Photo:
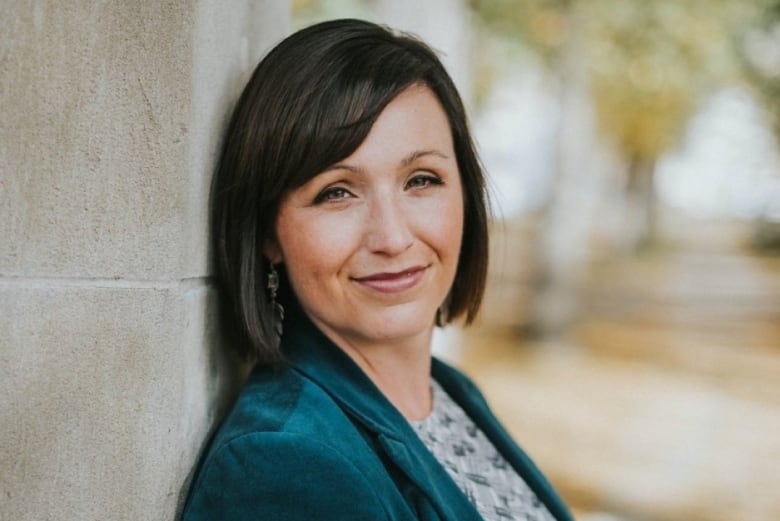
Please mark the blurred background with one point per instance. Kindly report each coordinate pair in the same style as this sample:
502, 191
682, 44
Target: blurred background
630, 336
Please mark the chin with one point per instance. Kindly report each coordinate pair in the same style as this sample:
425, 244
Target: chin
400, 324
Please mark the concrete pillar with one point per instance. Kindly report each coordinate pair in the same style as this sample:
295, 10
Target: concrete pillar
110, 369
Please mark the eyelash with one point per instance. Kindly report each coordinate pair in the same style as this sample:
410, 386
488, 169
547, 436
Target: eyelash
331, 194
427, 179
337, 193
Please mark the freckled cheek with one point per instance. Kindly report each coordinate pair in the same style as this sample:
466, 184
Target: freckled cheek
318, 250
452, 237
443, 229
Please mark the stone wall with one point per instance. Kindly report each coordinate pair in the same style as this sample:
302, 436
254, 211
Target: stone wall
109, 374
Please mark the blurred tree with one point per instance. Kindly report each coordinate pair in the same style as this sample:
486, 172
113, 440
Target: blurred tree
307, 12
542, 25
647, 63
545, 27
650, 63
760, 52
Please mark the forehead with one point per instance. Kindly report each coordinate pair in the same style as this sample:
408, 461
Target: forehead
414, 122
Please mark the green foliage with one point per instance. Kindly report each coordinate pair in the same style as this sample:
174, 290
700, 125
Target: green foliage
760, 53
542, 25
307, 12
646, 62
650, 62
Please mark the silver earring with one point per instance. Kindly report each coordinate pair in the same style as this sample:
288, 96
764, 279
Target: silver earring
278, 310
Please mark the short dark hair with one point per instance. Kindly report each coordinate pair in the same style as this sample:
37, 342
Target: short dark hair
309, 104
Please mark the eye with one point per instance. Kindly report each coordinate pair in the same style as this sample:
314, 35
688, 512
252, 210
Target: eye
423, 181
335, 193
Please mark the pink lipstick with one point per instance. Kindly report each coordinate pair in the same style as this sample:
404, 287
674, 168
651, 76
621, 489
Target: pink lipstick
393, 282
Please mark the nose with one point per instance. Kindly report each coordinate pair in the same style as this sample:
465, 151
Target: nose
388, 230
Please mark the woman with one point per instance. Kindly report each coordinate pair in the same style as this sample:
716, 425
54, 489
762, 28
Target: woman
350, 218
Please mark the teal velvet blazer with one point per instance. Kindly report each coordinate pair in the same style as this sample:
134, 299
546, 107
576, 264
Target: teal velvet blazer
316, 440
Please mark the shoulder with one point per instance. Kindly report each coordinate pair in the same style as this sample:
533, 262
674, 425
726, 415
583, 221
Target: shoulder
277, 404
285, 451
281, 475
282, 401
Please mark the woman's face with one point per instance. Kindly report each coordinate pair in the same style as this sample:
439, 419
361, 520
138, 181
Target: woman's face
371, 244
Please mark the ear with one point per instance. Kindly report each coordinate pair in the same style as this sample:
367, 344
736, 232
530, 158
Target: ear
272, 251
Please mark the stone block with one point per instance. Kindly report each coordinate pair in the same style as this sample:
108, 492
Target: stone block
111, 369
111, 122
108, 393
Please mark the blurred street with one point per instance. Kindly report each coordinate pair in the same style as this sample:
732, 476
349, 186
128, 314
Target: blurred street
661, 400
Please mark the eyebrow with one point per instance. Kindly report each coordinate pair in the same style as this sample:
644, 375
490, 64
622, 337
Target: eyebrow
406, 161
417, 154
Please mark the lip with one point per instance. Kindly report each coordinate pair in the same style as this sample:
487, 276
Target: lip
393, 282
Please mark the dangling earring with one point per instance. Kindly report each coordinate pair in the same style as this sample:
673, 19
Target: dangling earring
278, 310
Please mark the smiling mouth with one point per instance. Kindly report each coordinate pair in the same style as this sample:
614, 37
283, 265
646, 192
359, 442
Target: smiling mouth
393, 282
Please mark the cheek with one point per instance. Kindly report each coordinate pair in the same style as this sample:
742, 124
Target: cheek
312, 248
453, 236
445, 227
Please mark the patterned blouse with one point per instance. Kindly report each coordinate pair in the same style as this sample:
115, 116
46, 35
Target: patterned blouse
490, 483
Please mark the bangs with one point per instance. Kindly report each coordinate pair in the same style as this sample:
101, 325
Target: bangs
338, 107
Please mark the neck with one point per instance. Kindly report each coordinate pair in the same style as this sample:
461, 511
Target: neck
400, 369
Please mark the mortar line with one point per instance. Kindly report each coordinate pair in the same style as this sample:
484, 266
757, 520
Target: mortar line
13, 281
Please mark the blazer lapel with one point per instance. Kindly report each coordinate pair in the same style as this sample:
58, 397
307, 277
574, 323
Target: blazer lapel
430, 477
471, 400
316, 357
